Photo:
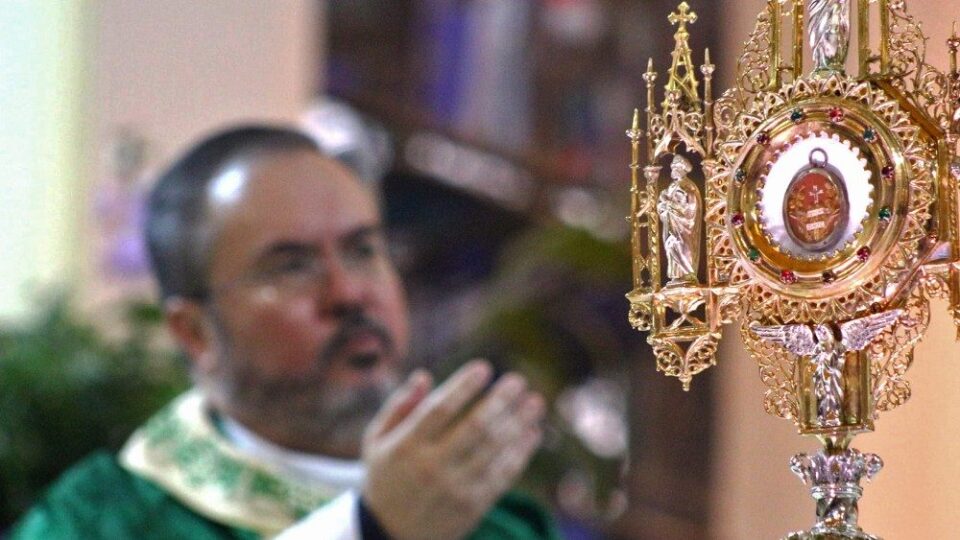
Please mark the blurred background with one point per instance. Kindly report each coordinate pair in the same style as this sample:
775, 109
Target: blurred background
495, 129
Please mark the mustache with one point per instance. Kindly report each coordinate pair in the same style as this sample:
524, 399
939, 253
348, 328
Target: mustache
352, 325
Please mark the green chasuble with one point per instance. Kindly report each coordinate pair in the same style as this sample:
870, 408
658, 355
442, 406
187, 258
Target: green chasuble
178, 477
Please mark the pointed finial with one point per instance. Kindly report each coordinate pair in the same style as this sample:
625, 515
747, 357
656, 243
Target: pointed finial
650, 76
954, 42
683, 16
682, 77
707, 68
634, 133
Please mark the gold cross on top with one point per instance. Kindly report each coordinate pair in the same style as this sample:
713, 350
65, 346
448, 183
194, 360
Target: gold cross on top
683, 16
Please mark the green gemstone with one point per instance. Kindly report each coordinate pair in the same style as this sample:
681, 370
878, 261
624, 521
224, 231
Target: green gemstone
869, 135
796, 115
740, 175
886, 213
754, 254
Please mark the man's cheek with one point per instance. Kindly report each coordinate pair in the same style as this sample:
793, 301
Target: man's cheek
395, 317
280, 346
277, 322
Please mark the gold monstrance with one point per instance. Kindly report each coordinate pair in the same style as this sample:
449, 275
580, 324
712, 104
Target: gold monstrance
828, 221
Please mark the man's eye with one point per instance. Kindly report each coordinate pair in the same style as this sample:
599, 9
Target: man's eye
292, 266
364, 255
365, 250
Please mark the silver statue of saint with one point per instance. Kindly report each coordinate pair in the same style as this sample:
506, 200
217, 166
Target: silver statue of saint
829, 33
679, 208
827, 355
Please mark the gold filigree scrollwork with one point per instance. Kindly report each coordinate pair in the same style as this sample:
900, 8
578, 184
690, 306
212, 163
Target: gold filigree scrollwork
728, 305
920, 82
724, 262
726, 111
778, 371
905, 39
934, 283
892, 354
674, 361
640, 316
676, 126
652, 175
754, 68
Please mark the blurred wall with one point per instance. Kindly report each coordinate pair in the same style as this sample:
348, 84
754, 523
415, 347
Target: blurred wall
170, 71
915, 496
75, 73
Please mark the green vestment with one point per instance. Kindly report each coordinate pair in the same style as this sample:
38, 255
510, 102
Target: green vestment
178, 477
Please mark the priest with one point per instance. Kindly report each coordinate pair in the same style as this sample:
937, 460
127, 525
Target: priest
303, 421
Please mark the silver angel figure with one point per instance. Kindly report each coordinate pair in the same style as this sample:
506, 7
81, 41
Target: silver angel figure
829, 33
679, 210
827, 355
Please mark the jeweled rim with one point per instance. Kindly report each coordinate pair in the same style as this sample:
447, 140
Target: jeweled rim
857, 284
789, 160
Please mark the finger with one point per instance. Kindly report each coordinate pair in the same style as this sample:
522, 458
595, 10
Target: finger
400, 403
507, 468
524, 418
502, 473
488, 416
432, 416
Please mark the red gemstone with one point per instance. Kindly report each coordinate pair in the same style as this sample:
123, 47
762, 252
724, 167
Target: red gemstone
863, 254
836, 114
763, 137
888, 171
737, 220
788, 277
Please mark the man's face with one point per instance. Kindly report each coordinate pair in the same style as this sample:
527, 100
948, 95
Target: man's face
308, 314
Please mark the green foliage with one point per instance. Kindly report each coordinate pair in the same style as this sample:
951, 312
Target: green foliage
66, 390
548, 307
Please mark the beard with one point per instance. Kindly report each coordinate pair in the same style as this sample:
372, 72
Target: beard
307, 411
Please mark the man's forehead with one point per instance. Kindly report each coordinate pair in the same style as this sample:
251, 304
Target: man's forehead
295, 168
291, 193
285, 177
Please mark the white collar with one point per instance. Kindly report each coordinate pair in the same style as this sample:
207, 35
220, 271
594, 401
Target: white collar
336, 473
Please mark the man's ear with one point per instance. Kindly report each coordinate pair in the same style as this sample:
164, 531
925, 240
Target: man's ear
191, 329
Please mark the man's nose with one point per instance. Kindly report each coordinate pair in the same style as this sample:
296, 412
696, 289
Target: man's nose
342, 288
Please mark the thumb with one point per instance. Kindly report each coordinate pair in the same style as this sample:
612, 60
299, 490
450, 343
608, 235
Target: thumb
401, 403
